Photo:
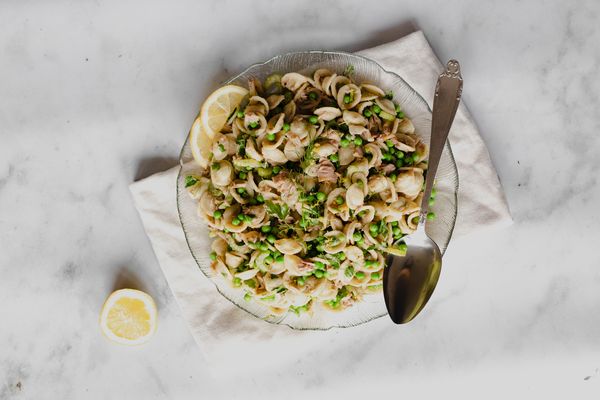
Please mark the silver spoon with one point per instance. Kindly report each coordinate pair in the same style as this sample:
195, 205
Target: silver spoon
409, 281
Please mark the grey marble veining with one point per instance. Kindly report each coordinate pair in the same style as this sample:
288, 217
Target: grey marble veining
94, 95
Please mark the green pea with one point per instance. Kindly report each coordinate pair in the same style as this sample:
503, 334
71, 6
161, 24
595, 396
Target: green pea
415, 220
433, 192
416, 157
358, 141
393, 177
357, 236
276, 169
370, 263
319, 265
367, 113
310, 198
301, 280
376, 109
347, 99
216, 166
389, 143
240, 114
386, 156
359, 274
320, 247
375, 275
374, 229
269, 259
431, 201
313, 119
319, 274
217, 214
240, 190
344, 142
399, 163
400, 115
341, 256
262, 246
286, 127
403, 247
247, 297
264, 172
266, 228
253, 125
394, 223
430, 216
321, 196
313, 95
213, 256
271, 137
334, 158
236, 221
339, 200
271, 238
399, 154
260, 198
279, 258
243, 175
237, 282
396, 231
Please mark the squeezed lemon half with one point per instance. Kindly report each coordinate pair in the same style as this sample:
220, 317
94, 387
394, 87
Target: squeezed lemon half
128, 317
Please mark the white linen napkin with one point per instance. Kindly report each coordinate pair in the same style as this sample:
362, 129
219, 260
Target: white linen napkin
227, 334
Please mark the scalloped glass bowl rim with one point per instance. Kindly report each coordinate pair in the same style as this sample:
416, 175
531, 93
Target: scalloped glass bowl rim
271, 60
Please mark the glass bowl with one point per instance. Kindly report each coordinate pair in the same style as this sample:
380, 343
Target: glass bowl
440, 229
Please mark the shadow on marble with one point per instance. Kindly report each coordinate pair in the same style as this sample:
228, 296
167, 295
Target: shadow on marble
126, 278
151, 165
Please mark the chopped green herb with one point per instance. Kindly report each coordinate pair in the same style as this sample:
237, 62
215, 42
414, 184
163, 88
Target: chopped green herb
190, 181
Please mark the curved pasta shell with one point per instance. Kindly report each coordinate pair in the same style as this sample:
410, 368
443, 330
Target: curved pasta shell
223, 175
353, 118
293, 80
274, 155
288, 246
376, 154
355, 196
324, 149
335, 241
346, 155
406, 126
292, 151
369, 213
233, 260
219, 246
327, 113
352, 90
249, 274
409, 182
338, 81
371, 92
274, 100
378, 184
386, 105
251, 150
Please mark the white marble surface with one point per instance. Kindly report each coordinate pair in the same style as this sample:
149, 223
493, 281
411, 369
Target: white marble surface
95, 94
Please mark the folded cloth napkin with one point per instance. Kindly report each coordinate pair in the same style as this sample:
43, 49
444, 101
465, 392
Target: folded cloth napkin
228, 335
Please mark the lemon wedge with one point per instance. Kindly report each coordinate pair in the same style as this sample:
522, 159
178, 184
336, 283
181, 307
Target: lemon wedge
128, 317
219, 106
200, 143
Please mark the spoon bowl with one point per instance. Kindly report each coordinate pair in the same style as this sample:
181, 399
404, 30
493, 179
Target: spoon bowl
409, 280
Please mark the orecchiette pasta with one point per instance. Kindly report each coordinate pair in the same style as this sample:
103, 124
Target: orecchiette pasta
311, 182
